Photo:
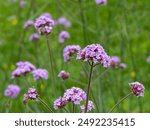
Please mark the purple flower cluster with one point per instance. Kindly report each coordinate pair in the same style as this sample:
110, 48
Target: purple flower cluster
34, 37
40, 74
69, 51
114, 61
22, 69
44, 25
59, 103
137, 88
148, 59
28, 23
99, 2
12, 91
30, 95
94, 53
75, 95
63, 21
63, 35
89, 108
63, 75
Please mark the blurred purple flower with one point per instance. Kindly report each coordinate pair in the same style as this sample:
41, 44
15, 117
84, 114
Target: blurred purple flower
22, 3
123, 66
148, 59
47, 15
59, 103
63, 21
30, 95
40, 74
100, 2
28, 23
44, 25
12, 91
75, 95
114, 61
137, 88
90, 106
69, 51
63, 35
94, 53
34, 37
23, 68
63, 75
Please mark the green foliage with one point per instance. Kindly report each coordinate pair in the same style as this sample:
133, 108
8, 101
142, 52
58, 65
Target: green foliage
122, 27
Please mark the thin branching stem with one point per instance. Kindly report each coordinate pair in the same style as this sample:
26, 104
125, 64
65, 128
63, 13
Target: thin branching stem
51, 63
118, 103
45, 105
102, 74
89, 63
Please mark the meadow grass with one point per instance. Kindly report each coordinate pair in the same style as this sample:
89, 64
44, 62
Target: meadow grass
121, 27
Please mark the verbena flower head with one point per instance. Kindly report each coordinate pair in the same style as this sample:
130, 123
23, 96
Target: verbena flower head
114, 61
63, 21
148, 59
59, 103
34, 37
123, 66
30, 95
63, 35
44, 25
22, 69
12, 91
100, 2
75, 95
89, 108
40, 74
63, 75
28, 23
69, 51
137, 88
94, 53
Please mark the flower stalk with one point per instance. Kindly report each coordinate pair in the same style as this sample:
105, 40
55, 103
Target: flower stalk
118, 103
44, 104
88, 88
51, 63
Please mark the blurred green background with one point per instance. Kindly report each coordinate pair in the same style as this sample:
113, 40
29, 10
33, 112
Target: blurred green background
122, 27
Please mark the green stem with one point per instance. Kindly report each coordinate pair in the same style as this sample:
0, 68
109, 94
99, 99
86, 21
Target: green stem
73, 108
88, 88
51, 63
101, 75
84, 68
45, 105
8, 105
94, 100
66, 110
118, 103
27, 81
